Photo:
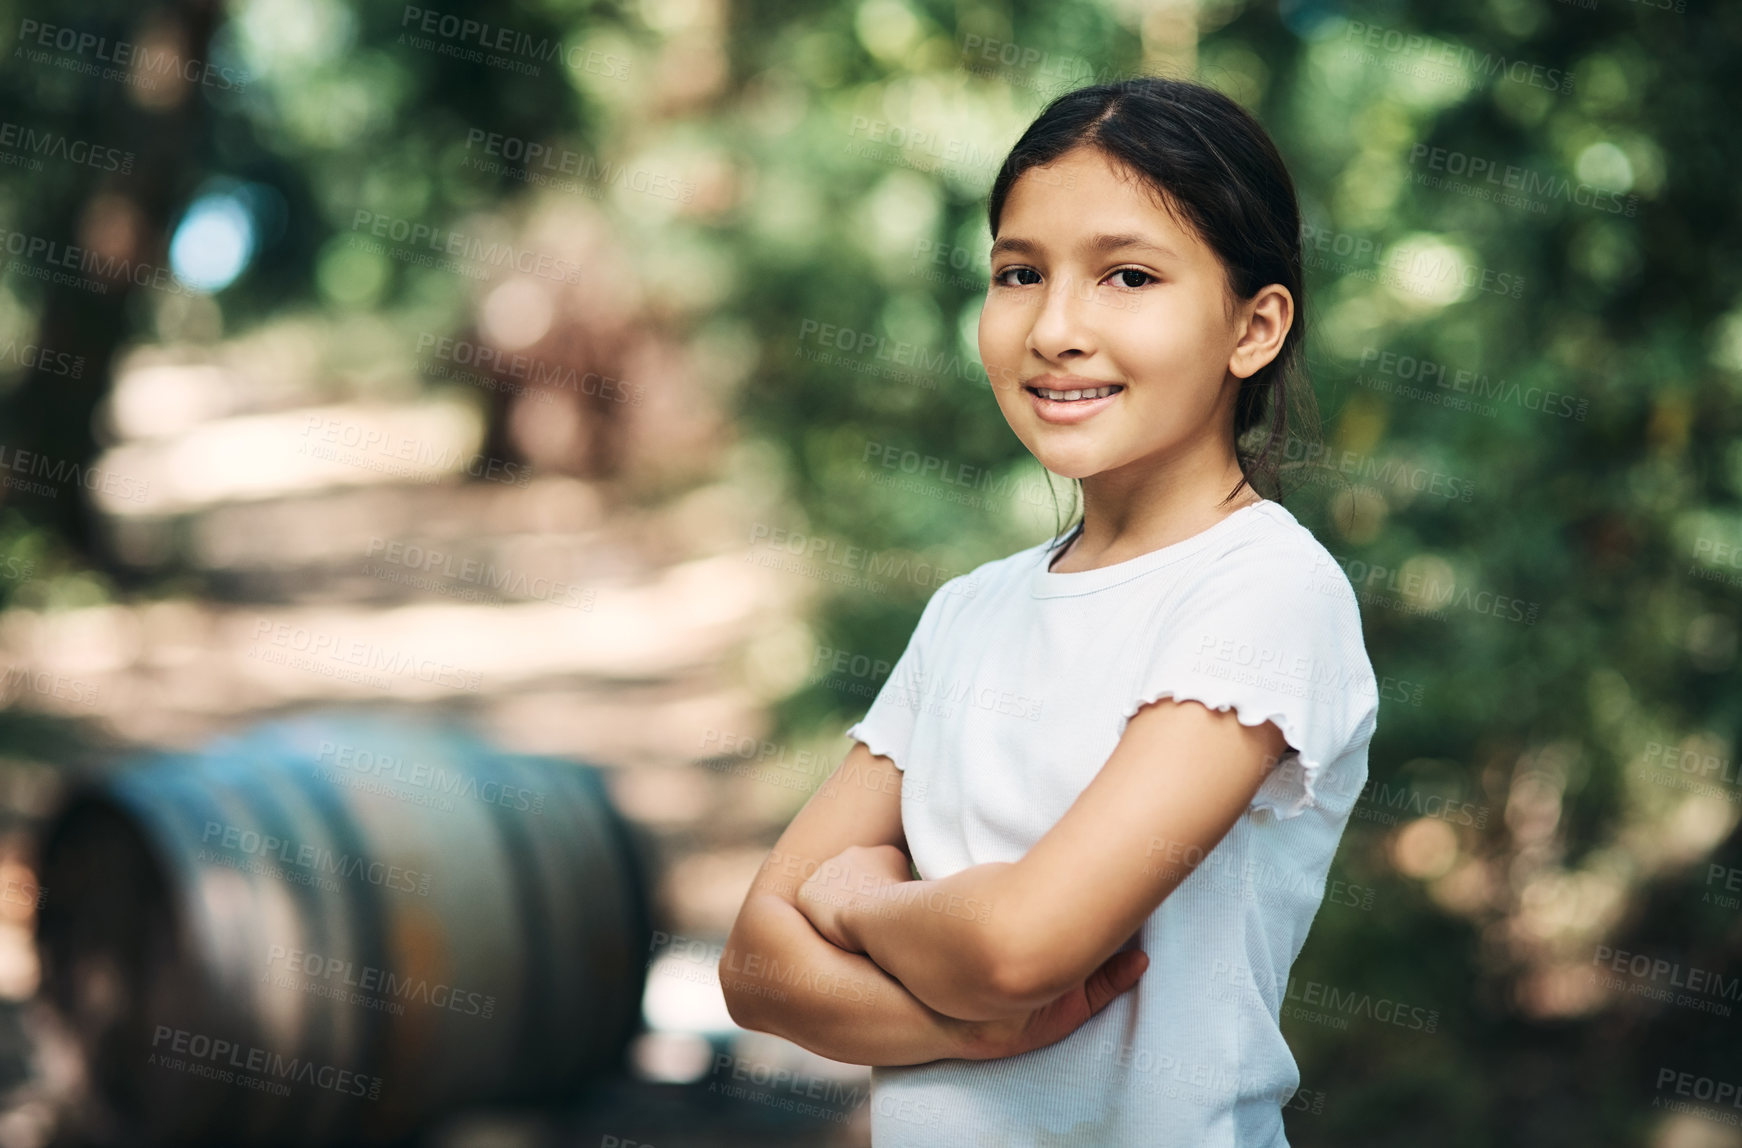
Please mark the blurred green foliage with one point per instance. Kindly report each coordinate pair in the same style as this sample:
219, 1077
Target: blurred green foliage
1522, 235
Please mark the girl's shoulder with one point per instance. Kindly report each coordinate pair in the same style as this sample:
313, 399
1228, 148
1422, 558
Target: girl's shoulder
995, 572
1274, 525
1272, 584
1277, 552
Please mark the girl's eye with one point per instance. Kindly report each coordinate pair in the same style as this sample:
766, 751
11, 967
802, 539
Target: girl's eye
1001, 279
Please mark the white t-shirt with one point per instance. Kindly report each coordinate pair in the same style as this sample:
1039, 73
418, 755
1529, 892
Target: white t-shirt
1011, 695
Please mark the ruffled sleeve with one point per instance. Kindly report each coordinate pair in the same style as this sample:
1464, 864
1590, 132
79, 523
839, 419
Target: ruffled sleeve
1274, 637
887, 727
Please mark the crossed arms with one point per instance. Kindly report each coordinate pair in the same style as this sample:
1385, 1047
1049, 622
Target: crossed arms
837, 949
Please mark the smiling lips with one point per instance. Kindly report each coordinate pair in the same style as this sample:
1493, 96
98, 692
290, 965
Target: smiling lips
1073, 396
1070, 406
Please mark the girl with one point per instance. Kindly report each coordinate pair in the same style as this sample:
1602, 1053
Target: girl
1124, 758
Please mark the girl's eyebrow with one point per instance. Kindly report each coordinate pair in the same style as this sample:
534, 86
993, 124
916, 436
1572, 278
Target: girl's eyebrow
1096, 244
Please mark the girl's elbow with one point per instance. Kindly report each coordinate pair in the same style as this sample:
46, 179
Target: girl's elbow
737, 973
735, 1000
1018, 985
747, 1007
971, 984
738, 1008
1018, 974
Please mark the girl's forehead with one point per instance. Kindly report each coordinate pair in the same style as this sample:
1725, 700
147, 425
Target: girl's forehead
1086, 169
1082, 191
1090, 230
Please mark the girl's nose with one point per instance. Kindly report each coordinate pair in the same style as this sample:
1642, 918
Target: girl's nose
1061, 325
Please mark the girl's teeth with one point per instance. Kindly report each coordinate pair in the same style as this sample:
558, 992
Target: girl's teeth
1069, 396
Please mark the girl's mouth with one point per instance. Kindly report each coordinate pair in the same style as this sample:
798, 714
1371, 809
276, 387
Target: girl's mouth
1079, 395
1057, 406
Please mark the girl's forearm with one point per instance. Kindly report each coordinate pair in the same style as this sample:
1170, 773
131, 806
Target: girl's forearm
949, 942
780, 976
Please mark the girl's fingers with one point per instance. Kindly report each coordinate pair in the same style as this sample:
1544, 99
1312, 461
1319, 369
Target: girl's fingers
1118, 973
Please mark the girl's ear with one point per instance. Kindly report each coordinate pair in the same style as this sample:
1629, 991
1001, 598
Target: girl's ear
1267, 317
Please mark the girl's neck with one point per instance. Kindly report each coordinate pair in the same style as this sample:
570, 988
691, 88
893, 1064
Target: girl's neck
1121, 527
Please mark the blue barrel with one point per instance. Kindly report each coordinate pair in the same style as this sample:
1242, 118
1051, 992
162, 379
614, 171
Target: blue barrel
338, 927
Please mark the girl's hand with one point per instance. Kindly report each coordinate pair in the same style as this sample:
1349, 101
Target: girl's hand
1052, 1022
856, 870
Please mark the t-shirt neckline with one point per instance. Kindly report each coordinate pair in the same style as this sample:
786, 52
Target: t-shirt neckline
1051, 584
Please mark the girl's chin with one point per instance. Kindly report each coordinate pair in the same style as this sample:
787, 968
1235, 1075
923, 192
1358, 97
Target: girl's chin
1075, 467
